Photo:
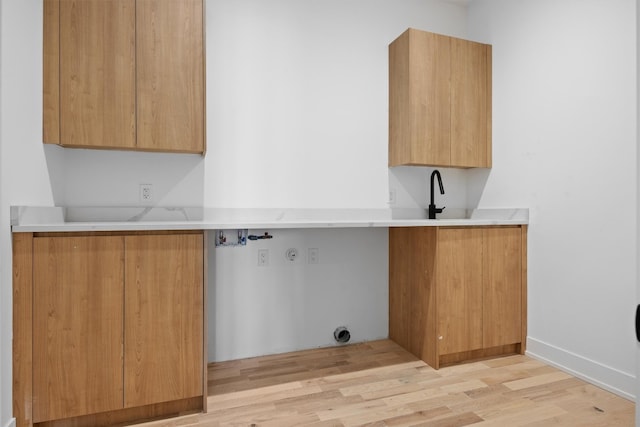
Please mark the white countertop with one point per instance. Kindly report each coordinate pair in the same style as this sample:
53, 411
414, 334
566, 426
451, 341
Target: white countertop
68, 219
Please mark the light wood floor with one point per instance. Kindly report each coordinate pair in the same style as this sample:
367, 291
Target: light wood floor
380, 384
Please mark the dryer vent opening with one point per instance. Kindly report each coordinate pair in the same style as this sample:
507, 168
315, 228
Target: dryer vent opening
342, 334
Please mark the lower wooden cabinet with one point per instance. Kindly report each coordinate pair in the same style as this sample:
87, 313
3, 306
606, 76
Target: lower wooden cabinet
117, 326
78, 296
163, 303
457, 294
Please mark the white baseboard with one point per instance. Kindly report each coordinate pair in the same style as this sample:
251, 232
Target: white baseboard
606, 377
11, 423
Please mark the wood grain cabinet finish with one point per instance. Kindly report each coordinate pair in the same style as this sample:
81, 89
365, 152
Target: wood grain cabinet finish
457, 294
117, 327
170, 75
459, 290
439, 101
124, 74
163, 311
78, 291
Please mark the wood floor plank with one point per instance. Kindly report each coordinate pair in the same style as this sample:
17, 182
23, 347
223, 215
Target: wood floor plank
379, 384
464, 386
320, 402
375, 416
236, 414
524, 416
457, 420
417, 418
455, 402
267, 397
247, 395
349, 410
537, 380
398, 390
370, 387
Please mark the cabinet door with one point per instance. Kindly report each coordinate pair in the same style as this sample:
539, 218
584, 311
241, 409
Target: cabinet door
459, 289
78, 285
419, 114
170, 75
163, 318
502, 286
97, 73
470, 104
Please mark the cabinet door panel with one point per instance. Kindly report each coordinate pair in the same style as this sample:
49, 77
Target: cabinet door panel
469, 94
170, 75
431, 122
97, 73
78, 287
419, 114
163, 318
502, 286
459, 290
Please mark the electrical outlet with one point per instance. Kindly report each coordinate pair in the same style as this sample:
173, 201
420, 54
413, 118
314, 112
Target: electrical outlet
392, 196
146, 193
263, 257
313, 255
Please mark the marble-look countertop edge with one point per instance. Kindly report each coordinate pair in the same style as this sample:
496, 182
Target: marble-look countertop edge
52, 220
168, 225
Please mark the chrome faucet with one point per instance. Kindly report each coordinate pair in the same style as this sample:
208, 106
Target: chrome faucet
432, 207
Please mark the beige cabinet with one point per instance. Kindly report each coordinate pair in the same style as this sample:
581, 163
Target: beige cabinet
117, 327
124, 74
439, 101
457, 294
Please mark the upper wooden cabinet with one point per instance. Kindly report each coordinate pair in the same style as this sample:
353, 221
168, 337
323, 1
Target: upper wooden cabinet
124, 74
439, 101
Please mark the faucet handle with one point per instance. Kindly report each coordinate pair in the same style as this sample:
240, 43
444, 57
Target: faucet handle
433, 210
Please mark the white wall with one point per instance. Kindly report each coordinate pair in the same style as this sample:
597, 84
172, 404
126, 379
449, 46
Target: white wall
5, 291
24, 170
637, 389
291, 305
564, 121
296, 117
297, 98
